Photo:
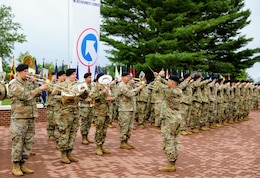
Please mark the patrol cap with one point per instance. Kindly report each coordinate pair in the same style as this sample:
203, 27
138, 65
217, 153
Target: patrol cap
99, 75
21, 67
125, 74
60, 73
86, 75
70, 71
174, 78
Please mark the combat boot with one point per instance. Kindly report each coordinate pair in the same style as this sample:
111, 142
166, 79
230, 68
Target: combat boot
124, 145
84, 140
195, 130
105, 151
17, 169
141, 126
225, 123
89, 140
70, 157
183, 132
205, 128
170, 167
231, 121
32, 153
24, 169
99, 150
64, 157
130, 145
51, 138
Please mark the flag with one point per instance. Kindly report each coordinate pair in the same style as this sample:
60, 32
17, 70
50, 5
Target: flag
131, 71
120, 71
77, 72
12, 72
44, 94
182, 75
62, 66
99, 69
36, 67
56, 70
96, 71
105, 70
167, 74
89, 69
117, 76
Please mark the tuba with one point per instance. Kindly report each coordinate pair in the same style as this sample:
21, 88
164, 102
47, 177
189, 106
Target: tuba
30, 62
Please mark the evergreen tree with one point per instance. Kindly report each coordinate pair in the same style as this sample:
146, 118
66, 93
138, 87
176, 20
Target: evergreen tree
186, 35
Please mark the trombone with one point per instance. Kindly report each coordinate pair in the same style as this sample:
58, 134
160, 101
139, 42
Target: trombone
142, 82
39, 80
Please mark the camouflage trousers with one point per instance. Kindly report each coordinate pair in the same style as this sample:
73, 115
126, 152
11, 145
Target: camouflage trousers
195, 114
204, 114
113, 112
170, 133
50, 126
68, 125
86, 116
220, 112
126, 124
155, 113
101, 123
185, 114
212, 111
141, 111
22, 133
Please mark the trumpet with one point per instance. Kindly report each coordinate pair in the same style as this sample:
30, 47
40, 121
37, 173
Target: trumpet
143, 82
39, 80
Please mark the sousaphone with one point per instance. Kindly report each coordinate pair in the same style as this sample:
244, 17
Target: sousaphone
30, 62
105, 79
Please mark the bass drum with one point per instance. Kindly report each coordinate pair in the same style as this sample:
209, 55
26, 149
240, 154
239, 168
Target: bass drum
3, 91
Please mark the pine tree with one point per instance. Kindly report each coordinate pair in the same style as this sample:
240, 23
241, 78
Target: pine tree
186, 35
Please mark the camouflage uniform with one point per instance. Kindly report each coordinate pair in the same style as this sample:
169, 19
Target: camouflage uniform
86, 113
185, 107
205, 103
141, 105
23, 111
126, 110
155, 101
220, 111
68, 123
113, 107
101, 112
50, 112
171, 120
212, 103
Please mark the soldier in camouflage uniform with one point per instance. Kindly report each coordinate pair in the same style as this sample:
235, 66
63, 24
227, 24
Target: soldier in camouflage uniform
56, 95
212, 104
171, 120
50, 112
86, 112
68, 123
141, 104
185, 107
22, 93
113, 107
101, 96
220, 108
156, 100
126, 110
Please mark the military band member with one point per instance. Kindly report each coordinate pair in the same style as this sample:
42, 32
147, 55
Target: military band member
126, 110
86, 112
22, 93
102, 98
68, 123
57, 104
50, 112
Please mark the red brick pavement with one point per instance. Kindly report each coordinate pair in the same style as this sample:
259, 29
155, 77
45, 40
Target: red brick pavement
229, 151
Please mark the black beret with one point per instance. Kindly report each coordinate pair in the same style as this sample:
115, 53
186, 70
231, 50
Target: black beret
60, 73
99, 75
53, 73
174, 78
21, 67
70, 71
125, 74
86, 75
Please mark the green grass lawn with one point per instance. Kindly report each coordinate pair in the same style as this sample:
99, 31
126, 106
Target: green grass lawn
6, 102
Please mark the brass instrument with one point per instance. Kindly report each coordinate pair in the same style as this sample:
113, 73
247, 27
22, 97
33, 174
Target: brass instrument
30, 62
106, 80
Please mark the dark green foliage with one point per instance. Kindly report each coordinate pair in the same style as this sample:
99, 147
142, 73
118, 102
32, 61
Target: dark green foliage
178, 34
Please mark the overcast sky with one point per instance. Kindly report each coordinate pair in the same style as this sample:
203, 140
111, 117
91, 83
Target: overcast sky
45, 24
